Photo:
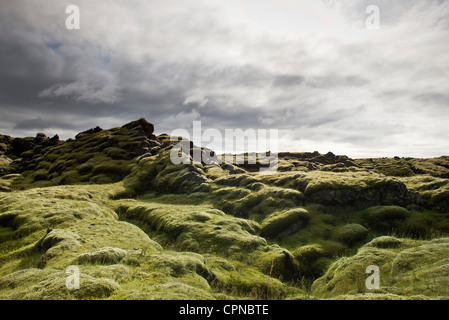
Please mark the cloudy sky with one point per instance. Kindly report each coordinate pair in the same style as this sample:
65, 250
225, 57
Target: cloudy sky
309, 68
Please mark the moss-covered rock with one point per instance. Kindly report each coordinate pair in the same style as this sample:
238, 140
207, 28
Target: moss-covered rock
96, 156
433, 191
107, 255
167, 291
407, 268
244, 281
50, 284
314, 259
262, 200
282, 224
279, 263
385, 218
4, 164
158, 173
196, 229
385, 242
356, 189
351, 234
181, 263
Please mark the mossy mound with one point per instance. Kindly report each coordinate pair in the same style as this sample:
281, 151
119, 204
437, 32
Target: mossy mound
436, 167
351, 234
181, 263
255, 200
8, 180
283, 224
50, 227
166, 291
107, 255
433, 191
385, 242
305, 162
158, 173
237, 279
278, 262
194, 228
96, 156
44, 230
385, 218
407, 167
357, 189
4, 164
205, 230
407, 268
312, 260
50, 284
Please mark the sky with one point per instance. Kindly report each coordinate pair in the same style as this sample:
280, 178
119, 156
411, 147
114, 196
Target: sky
310, 69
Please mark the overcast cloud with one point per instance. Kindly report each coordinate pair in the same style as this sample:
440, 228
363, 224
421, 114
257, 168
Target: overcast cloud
306, 67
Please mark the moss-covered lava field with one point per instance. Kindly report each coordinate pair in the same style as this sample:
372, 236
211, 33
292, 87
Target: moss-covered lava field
137, 226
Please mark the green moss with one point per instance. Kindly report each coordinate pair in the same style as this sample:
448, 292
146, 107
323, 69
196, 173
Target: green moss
434, 191
265, 200
385, 242
166, 291
417, 225
214, 172
50, 284
279, 263
117, 153
351, 234
312, 260
196, 229
319, 228
108, 152
244, 281
115, 168
4, 164
102, 179
76, 221
178, 264
283, 224
107, 255
437, 167
407, 268
159, 173
386, 218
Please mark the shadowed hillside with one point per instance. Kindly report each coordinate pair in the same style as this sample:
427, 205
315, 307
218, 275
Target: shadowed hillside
140, 227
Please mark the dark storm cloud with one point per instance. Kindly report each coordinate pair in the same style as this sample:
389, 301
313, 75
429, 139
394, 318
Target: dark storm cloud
433, 98
40, 124
337, 81
26, 68
284, 81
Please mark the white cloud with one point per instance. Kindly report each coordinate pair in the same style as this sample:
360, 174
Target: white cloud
84, 92
196, 101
